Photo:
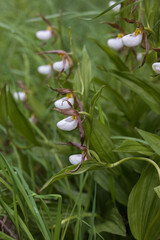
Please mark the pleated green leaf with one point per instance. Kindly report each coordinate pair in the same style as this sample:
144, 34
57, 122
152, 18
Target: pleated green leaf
114, 96
152, 139
86, 166
144, 207
86, 75
3, 107
94, 100
130, 146
113, 224
114, 57
157, 190
20, 122
100, 142
147, 91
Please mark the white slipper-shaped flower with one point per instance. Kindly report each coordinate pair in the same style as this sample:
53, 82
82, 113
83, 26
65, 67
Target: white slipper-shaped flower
44, 34
63, 102
60, 65
116, 8
68, 124
76, 159
116, 43
139, 57
33, 118
44, 69
156, 67
20, 95
133, 39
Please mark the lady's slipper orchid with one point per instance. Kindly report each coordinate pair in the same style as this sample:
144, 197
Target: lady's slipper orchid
156, 67
116, 8
20, 95
116, 43
68, 124
76, 159
133, 39
44, 34
63, 102
45, 69
61, 65
33, 119
139, 57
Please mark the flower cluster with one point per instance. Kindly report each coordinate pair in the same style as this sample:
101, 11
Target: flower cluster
130, 40
65, 105
69, 103
59, 66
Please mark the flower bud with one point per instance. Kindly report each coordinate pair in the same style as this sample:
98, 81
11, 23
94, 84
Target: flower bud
20, 95
44, 34
68, 124
116, 8
76, 159
156, 67
133, 39
60, 65
63, 102
116, 43
45, 69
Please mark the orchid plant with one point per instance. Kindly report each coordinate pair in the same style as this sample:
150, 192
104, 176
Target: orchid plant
79, 125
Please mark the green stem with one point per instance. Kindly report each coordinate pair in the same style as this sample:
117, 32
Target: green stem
136, 158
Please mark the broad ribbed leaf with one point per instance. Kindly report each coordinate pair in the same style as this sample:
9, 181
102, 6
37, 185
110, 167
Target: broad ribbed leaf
152, 139
3, 107
114, 57
145, 90
113, 224
114, 96
100, 142
86, 75
130, 146
94, 100
144, 207
86, 166
20, 122
157, 190
104, 180
37, 106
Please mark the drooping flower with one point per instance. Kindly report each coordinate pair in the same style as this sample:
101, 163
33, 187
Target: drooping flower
45, 69
76, 159
68, 124
20, 95
116, 8
116, 43
63, 102
139, 57
44, 34
33, 119
156, 67
133, 39
60, 65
